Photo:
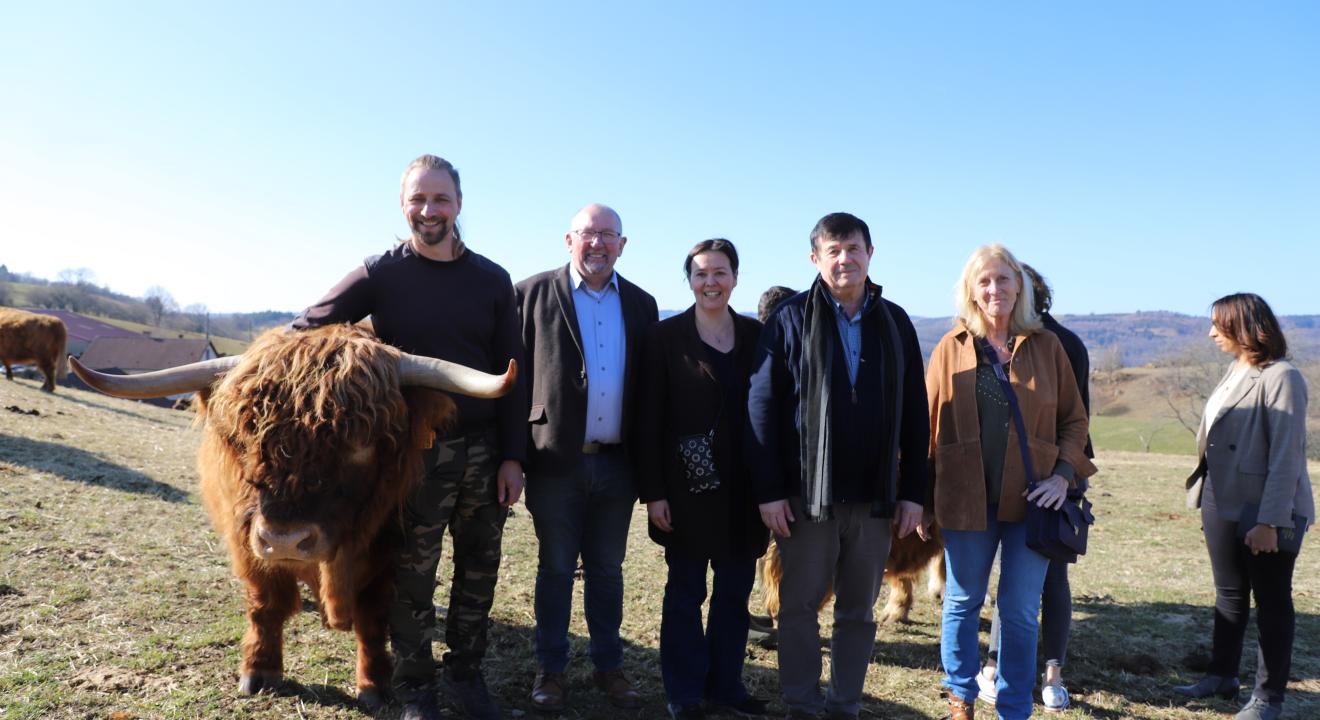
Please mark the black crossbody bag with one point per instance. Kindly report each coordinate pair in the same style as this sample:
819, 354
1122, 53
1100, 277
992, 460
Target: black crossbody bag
698, 455
1057, 534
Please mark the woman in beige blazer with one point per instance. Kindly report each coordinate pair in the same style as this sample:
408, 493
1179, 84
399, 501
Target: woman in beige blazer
1254, 493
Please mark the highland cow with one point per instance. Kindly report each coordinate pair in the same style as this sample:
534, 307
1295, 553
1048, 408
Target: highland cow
311, 443
908, 556
33, 338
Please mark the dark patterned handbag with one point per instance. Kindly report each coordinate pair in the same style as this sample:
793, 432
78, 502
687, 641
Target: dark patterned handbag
698, 455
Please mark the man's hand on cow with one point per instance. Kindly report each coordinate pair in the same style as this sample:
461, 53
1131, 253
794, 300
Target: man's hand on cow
776, 516
1049, 493
909, 518
510, 480
658, 512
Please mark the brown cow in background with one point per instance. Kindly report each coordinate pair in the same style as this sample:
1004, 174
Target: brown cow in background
908, 557
36, 339
312, 442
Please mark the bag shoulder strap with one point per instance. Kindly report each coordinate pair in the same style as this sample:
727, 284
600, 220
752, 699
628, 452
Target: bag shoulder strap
1002, 375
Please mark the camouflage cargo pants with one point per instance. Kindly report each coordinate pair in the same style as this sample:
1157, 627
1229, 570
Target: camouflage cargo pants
458, 492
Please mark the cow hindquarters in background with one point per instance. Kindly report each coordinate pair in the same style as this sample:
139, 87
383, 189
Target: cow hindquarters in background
908, 557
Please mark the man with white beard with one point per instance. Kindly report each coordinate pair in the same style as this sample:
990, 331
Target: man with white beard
583, 326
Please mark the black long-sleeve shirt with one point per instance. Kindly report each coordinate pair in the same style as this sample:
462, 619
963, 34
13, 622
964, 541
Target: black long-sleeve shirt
462, 311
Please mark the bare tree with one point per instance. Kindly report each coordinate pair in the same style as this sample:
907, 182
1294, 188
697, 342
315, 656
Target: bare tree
1110, 362
1189, 378
80, 277
198, 316
1147, 436
160, 303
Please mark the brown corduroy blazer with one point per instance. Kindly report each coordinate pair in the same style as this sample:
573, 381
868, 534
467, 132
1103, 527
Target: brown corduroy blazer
1052, 412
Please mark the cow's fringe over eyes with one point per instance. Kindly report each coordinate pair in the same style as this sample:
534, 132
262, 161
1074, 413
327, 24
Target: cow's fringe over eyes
341, 375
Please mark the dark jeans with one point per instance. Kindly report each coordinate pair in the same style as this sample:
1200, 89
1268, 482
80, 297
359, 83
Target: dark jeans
1055, 615
1238, 575
697, 664
584, 513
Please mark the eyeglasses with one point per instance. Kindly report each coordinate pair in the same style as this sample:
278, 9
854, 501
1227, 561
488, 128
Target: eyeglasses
609, 237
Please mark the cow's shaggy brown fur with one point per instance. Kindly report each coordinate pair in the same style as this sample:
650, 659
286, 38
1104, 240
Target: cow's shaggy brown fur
907, 558
33, 338
312, 428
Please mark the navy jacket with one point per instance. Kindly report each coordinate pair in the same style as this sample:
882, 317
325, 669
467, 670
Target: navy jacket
772, 408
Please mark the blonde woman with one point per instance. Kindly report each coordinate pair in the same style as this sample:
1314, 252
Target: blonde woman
980, 486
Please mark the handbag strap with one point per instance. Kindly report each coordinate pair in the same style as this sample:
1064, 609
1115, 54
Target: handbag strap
1002, 375
707, 368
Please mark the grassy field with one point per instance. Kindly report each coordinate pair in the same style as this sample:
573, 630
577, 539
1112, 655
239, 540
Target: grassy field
1132, 434
116, 600
20, 295
223, 345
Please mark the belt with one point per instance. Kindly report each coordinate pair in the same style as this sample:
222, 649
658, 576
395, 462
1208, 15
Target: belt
595, 448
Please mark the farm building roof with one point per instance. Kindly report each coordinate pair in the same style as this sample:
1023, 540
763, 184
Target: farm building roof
82, 328
142, 354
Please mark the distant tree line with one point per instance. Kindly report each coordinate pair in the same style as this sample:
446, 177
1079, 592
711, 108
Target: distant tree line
75, 290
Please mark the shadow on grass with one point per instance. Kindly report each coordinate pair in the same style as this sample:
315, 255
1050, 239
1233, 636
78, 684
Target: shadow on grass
78, 465
1139, 651
74, 398
510, 668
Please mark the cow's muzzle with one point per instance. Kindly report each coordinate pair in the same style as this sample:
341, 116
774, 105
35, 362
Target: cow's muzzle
302, 542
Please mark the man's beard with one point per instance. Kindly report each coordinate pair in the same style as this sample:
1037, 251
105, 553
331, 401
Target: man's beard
431, 235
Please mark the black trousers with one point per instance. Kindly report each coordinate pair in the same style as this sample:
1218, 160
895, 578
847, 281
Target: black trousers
1239, 575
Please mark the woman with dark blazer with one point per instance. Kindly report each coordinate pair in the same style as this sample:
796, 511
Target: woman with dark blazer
692, 410
1254, 493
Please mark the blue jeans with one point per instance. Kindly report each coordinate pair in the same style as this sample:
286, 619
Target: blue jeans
968, 555
1055, 615
697, 664
584, 513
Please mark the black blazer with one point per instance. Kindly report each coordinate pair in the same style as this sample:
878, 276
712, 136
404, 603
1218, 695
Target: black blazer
680, 396
557, 377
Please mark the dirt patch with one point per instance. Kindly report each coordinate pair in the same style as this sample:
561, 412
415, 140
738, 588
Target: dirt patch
111, 679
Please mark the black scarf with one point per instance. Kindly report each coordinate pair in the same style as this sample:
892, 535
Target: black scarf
815, 438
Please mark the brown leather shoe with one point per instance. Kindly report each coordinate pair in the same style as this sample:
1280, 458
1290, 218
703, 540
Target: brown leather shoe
960, 709
549, 691
617, 687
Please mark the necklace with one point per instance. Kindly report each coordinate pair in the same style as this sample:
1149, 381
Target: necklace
1005, 349
719, 337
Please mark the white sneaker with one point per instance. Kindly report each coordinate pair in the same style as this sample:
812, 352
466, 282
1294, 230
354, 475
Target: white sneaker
985, 683
1055, 697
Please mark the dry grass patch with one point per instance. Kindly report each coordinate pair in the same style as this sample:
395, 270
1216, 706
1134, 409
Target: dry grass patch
116, 599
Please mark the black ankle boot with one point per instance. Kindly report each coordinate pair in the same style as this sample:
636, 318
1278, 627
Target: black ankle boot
1226, 688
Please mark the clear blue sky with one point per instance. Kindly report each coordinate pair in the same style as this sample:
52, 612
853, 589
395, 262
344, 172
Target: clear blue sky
1143, 155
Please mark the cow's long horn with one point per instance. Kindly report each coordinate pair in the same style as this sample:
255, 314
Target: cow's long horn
452, 377
171, 381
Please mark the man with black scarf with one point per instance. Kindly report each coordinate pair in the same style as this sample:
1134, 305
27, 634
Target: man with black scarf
839, 434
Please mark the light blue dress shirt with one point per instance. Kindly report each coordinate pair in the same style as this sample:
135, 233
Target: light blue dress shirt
600, 321
850, 333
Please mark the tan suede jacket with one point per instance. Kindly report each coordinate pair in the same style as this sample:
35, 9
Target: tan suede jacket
1052, 412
